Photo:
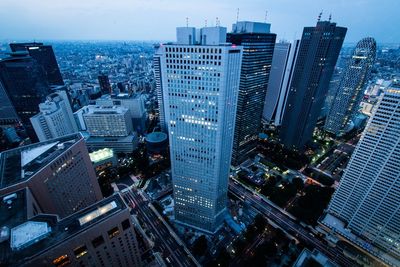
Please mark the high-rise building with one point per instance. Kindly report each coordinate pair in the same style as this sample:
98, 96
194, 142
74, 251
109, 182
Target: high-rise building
158, 79
367, 200
26, 86
258, 47
351, 87
104, 83
58, 173
99, 235
8, 115
133, 101
283, 62
317, 56
55, 118
200, 80
44, 56
106, 120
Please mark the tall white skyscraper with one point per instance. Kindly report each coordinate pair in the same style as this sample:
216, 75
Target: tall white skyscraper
55, 118
283, 61
200, 80
368, 197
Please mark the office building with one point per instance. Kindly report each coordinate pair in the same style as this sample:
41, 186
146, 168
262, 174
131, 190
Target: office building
102, 234
8, 115
25, 85
351, 87
283, 62
135, 104
258, 47
316, 59
104, 82
158, 80
44, 56
55, 118
58, 173
200, 80
367, 200
105, 120
120, 144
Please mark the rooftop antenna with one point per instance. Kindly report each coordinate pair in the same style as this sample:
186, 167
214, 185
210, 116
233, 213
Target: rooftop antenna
187, 22
330, 17
266, 13
217, 22
205, 23
320, 15
237, 15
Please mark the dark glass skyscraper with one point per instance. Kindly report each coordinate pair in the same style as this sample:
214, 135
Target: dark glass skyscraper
258, 47
319, 50
104, 83
44, 55
351, 87
26, 86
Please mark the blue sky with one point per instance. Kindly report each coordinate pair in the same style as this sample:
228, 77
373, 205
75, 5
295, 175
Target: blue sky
157, 19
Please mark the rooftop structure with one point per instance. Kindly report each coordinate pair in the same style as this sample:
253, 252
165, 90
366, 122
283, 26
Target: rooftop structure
52, 171
82, 238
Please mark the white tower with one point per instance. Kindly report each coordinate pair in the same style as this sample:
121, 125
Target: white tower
200, 80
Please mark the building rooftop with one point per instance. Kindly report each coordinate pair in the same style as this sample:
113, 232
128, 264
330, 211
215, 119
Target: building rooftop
156, 137
19, 164
44, 231
98, 109
13, 209
101, 154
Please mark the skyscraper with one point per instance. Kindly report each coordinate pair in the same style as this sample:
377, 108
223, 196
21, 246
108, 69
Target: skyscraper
258, 47
104, 83
26, 86
55, 118
367, 200
283, 62
8, 115
351, 87
58, 173
157, 75
318, 53
99, 235
200, 80
44, 56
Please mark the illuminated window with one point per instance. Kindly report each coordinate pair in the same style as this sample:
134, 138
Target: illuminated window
113, 232
80, 251
63, 260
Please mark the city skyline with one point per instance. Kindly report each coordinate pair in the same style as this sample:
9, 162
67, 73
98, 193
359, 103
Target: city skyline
127, 20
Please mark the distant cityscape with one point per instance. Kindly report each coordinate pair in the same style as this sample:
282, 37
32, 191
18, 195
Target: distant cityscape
224, 147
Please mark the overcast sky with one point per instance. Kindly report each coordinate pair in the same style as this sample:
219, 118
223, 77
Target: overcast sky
157, 19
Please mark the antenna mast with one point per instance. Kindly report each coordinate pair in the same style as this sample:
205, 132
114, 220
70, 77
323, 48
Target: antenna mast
320, 15
187, 22
266, 13
237, 15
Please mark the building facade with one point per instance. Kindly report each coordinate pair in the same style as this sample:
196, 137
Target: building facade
351, 87
58, 172
45, 57
104, 83
99, 235
106, 120
368, 197
55, 118
283, 62
317, 56
258, 47
200, 80
26, 86
157, 75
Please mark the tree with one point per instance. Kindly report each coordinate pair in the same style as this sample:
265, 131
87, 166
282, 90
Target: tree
200, 246
260, 222
298, 183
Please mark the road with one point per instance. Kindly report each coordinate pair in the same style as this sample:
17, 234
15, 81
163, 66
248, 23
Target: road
279, 217
173, 253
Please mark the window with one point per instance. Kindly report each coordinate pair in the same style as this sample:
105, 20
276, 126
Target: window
63, 260
98, 241
80, 251
113, 232
126, 224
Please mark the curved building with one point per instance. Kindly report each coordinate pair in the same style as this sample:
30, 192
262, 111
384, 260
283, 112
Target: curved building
351, 87
156, 142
